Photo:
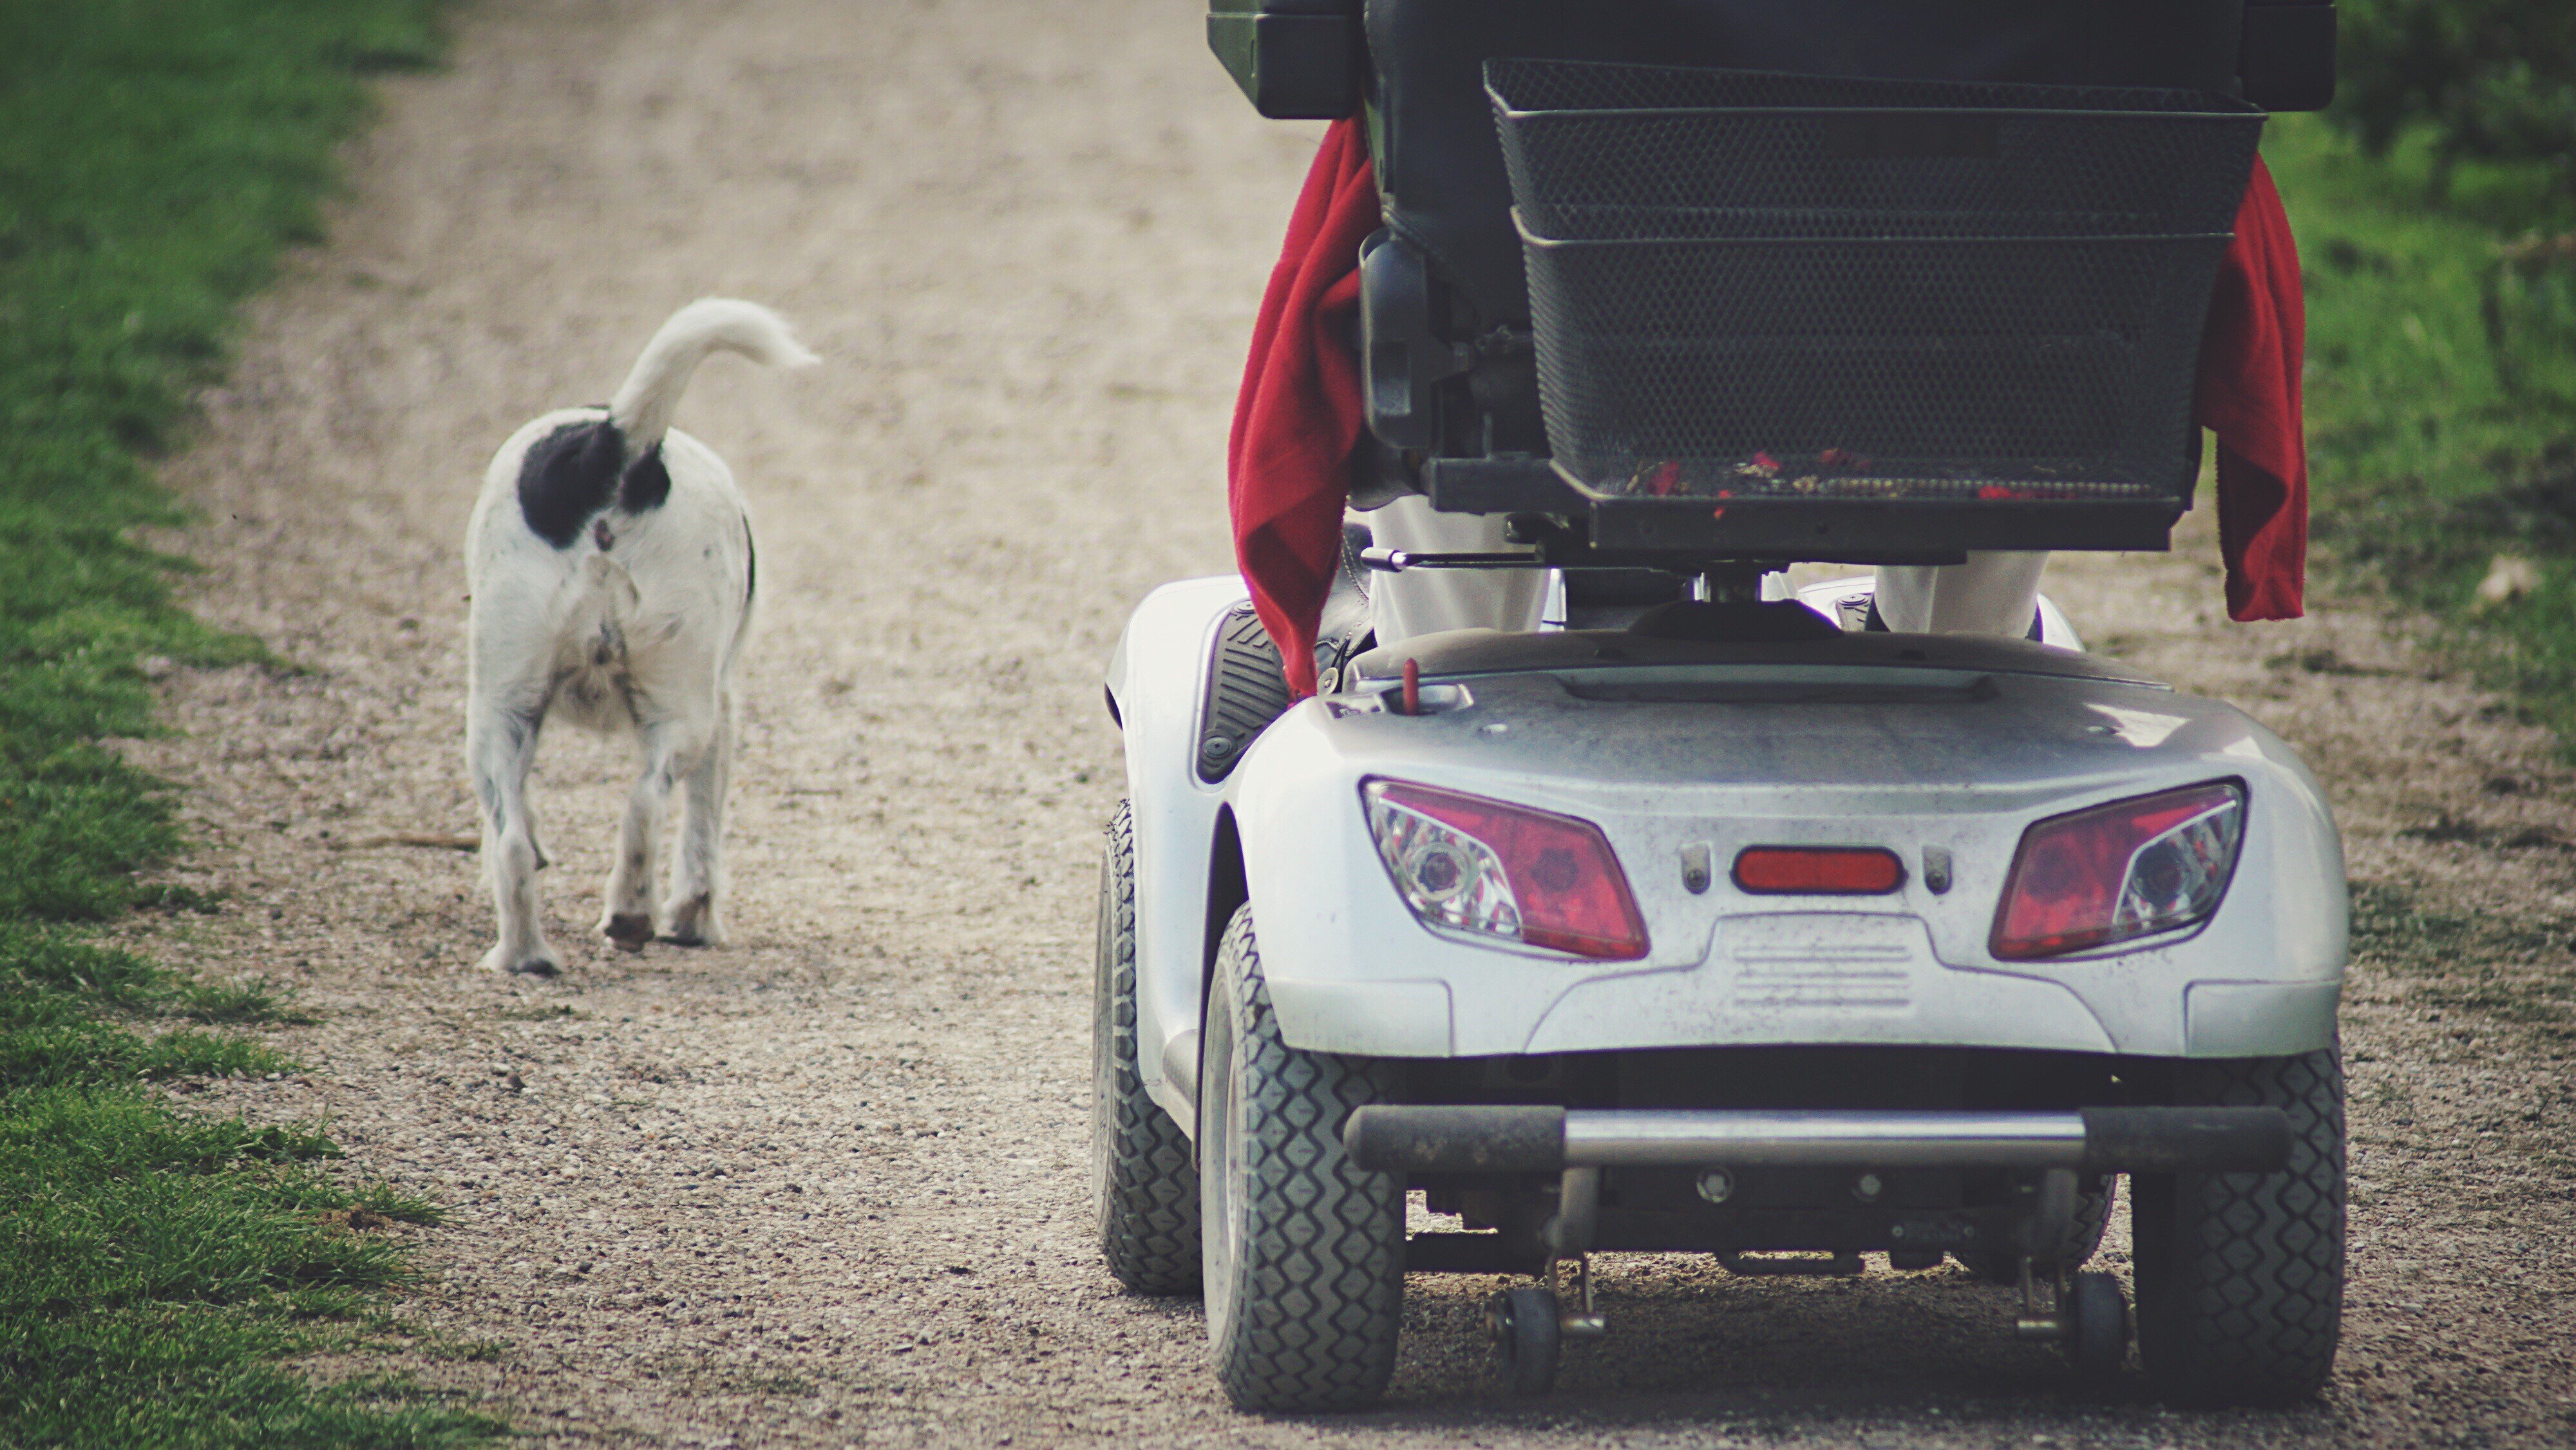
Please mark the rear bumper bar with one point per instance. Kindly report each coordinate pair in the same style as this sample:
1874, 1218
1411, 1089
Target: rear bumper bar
1406, 1139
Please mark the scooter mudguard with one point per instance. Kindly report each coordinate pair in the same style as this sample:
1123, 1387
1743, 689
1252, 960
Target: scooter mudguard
1156, 679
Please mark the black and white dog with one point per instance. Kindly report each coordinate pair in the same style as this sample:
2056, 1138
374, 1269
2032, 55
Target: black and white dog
612, 574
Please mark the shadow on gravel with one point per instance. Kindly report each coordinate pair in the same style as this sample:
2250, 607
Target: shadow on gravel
1692, 1347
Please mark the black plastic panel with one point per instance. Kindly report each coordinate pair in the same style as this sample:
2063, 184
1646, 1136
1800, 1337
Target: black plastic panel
1875, 532
1296, 60
1499, 486
1245, 692
2288, 55
1402, 358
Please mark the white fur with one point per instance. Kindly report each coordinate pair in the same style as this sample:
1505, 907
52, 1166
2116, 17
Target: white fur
641, 637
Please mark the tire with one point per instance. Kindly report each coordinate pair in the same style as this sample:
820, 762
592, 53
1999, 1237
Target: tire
1143, 1183
2098, 1320
2083, 1236
2240, 1275
1303, 1252
1528, 1339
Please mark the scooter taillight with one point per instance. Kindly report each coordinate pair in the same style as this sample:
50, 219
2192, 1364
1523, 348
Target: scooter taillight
1477, 866
2113, 873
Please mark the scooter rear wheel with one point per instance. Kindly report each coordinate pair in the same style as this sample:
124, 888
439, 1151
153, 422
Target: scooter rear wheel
1303, 1250
2240, 1275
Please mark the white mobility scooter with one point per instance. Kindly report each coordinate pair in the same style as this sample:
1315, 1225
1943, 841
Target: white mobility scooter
1705, 919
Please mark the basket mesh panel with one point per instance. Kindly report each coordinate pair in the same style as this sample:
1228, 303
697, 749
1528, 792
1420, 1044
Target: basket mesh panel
1748, 284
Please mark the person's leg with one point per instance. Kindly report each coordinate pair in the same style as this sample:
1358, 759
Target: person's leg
1992, 593
1425, 601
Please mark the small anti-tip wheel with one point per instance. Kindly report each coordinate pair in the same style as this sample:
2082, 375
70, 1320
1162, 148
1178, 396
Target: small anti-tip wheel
2097, 1327
1526, 1341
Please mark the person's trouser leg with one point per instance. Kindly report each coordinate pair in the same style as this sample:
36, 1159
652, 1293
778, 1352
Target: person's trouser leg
1992, 593
1425, 601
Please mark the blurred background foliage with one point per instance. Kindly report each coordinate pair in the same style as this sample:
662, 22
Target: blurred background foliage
2485, 80
2435, 206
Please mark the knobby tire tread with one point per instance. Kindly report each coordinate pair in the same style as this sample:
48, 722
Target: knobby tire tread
2240, 1275
1147, 1187
1323, 1268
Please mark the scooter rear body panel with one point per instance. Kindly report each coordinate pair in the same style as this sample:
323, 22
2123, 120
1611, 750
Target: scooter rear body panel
1917, 744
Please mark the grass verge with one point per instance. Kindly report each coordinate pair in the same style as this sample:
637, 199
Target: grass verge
2510, 972
160, 1270
2442, 394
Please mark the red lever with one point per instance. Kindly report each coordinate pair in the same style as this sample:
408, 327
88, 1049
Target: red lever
1413, 687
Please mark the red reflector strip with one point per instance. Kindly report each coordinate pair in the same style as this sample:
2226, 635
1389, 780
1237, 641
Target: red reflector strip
1818, 870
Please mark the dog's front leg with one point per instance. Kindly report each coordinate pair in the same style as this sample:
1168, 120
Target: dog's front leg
500, 746
628, 917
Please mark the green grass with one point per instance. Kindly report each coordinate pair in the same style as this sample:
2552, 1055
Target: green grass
2511, 971
2442, 391
161, 1272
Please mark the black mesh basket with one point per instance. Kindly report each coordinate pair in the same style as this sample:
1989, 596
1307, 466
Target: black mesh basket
1751, 285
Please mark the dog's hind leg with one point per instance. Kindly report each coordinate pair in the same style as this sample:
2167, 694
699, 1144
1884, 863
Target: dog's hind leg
696, 908
500, 746
627, 919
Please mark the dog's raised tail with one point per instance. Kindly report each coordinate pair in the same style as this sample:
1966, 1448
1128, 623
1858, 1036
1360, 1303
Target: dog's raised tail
644, 402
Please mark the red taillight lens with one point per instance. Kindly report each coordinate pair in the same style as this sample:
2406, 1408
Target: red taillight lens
2129, 869
1467, 864
1818, 870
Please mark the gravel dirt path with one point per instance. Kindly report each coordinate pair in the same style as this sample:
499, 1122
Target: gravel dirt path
828, 1186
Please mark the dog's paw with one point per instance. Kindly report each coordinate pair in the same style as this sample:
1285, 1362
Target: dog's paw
628, 931
538, 963
694, 923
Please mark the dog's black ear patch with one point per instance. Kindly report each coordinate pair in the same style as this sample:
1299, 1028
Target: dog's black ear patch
569, 475
647, 483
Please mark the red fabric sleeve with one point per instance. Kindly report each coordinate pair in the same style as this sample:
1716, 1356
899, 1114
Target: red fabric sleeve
1298, 415
2248, 395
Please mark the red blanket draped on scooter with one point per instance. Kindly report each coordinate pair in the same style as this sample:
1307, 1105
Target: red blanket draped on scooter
2250, 358
1298, 415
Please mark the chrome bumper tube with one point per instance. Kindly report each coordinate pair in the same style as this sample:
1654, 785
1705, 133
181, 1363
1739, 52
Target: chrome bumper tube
1650, 1138
1514, 1139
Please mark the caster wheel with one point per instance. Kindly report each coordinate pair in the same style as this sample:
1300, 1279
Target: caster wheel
1526, 1341
2097, 1319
